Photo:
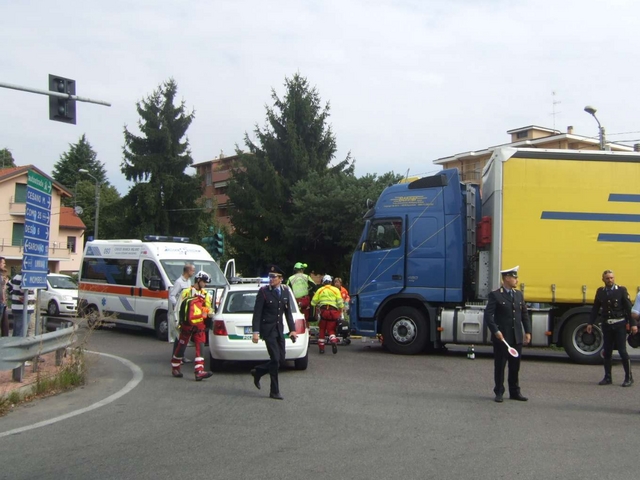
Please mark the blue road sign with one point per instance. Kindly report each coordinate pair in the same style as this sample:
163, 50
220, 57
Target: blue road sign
35, 260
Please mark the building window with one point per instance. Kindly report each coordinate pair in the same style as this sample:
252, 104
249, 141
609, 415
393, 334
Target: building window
21, 193
208, 203
207, 178
17, 235
71, 244
524, 134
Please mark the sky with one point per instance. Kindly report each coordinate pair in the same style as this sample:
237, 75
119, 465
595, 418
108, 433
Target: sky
407, 81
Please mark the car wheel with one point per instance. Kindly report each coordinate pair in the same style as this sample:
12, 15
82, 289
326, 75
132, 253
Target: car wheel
215, 365
301, 363
52, 309
405, 331
162, 327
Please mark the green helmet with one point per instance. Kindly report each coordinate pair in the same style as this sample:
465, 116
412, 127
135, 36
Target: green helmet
300, 266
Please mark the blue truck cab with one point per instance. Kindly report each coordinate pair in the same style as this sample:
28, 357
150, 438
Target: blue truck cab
413, 258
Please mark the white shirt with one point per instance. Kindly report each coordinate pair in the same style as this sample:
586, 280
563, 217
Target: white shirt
176, 290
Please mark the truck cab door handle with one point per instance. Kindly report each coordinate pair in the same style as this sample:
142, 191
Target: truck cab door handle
396, 277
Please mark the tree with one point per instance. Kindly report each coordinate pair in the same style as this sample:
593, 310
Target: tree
294, 142
6, 159
164, 198
81, 156
336, 203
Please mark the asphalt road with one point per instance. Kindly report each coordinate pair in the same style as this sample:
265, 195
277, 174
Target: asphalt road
360, 414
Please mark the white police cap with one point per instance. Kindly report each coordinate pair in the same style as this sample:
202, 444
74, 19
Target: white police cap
510, 271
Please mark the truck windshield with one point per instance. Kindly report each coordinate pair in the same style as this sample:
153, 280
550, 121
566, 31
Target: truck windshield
174, 270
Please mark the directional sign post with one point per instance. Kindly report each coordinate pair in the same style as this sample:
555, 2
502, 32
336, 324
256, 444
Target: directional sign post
35, 259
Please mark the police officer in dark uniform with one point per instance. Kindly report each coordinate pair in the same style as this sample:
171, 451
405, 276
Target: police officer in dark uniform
506, 316
272, 302
613, 305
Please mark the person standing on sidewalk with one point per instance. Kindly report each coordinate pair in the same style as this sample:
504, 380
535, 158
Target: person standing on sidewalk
613, 305
4, 315
18, 294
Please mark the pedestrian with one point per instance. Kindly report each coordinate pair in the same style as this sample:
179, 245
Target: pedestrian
337, 282
506, 315
182, 282
303, 287
195, 314
4, 314
328, 302
272, 302
635, 313
20, 328
613, 306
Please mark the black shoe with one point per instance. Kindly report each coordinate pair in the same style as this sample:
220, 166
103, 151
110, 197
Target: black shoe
276, 396
627, 382
605, 381
256, 378
498, 398
334, 348
186, 360
202, 375
518, 397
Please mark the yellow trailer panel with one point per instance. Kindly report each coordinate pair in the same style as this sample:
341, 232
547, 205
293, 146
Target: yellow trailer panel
565, 221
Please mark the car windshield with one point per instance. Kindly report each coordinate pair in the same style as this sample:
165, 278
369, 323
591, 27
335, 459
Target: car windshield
174, 270
62, 282
240, 302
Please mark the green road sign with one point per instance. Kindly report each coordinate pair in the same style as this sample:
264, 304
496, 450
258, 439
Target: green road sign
39, 182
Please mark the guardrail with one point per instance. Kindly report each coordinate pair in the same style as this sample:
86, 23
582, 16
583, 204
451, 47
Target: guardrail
14, 351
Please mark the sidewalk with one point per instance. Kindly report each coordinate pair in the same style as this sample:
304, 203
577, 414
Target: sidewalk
45, 369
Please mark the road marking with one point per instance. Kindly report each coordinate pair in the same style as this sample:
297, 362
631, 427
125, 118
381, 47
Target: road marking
133, 383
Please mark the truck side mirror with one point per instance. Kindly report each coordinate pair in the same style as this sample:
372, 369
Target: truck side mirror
155, 284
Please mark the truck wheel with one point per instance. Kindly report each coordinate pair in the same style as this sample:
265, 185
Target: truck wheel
162, 327
582, 347
405, 331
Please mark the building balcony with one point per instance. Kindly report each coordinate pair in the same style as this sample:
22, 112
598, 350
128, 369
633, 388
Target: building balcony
471, 176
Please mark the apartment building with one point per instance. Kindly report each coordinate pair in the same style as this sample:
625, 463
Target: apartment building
216, 174
66, 228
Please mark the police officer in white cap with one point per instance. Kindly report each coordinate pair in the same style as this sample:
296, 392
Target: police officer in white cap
506, 316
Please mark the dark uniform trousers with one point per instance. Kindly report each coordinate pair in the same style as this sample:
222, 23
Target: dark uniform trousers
267, 320
509, 316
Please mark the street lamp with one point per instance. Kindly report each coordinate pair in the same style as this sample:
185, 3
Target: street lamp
592, 111
95, 228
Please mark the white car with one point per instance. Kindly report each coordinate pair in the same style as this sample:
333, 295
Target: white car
61, 295
230, 337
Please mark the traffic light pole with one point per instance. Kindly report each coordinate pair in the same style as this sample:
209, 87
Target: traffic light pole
54, 94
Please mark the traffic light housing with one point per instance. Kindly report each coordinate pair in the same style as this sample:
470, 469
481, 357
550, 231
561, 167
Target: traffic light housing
207, 243
62, 109
218, 245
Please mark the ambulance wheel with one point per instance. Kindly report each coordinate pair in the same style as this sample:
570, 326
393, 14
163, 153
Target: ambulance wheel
162, 327
93, 317
405, 331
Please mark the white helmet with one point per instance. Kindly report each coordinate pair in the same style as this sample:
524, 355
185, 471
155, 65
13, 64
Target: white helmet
327, 279
202, 275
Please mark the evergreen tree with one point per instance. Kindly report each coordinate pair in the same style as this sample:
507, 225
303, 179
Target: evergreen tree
295, 141
6, 159
81, 156
164, 198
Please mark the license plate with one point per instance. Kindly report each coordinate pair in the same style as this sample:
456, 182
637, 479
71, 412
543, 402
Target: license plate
248, 330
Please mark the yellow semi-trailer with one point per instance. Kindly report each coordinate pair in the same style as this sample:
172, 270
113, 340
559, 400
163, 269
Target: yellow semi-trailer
432, 249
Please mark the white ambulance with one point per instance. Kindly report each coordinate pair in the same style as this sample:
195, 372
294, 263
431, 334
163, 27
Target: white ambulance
127, 282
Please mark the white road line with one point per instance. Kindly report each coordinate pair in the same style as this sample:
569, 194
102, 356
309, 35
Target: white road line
133, 383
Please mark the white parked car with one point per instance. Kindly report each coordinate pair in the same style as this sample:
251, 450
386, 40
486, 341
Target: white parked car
230, 337
61, 295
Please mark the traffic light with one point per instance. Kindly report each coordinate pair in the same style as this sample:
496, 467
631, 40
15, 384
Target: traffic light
218, 245
62, 109
207, 243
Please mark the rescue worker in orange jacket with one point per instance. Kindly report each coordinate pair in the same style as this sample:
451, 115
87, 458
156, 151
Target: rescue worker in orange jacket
302, 285
195, 315
328, 302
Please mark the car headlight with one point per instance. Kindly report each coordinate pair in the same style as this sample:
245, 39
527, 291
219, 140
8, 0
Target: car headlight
67, 298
